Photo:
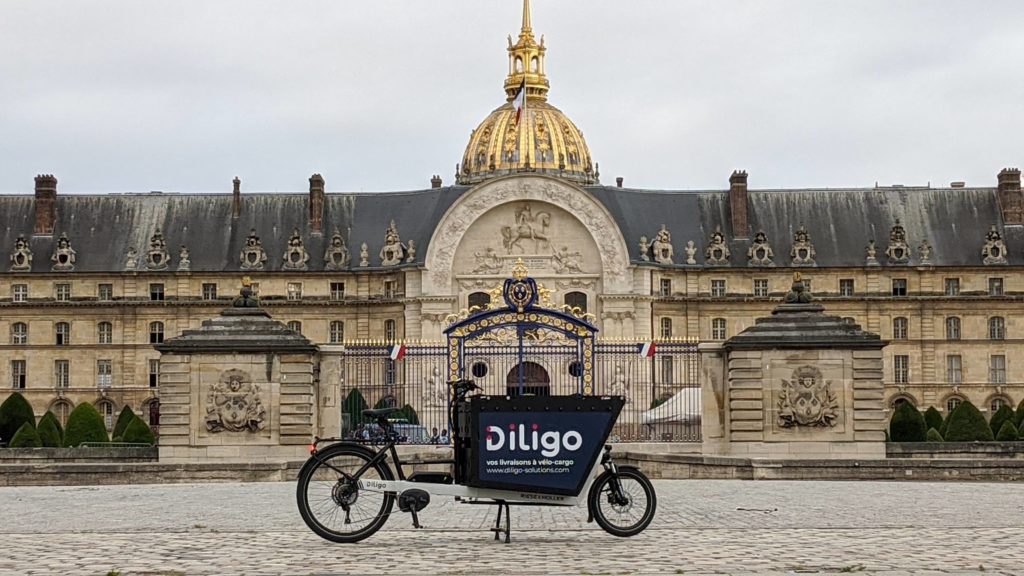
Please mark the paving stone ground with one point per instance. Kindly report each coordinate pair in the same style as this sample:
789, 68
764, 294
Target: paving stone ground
701, 527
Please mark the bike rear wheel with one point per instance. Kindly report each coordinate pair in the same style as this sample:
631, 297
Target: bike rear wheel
330, 500
623, 503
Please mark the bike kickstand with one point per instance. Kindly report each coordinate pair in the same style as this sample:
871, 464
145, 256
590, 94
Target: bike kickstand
508, 523
415, 519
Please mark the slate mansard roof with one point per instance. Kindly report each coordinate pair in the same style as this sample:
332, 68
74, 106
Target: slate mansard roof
840, 222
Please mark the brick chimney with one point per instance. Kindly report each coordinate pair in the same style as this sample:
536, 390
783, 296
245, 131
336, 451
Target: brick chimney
236, 198
316, 203
46, 204
619, 180
435, 182
738, 204
1010, 200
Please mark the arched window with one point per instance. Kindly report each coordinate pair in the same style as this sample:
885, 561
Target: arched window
996, 328
61, 409
536, 380
104, 333
106, 408
534, 64
996, 403
718, 329
519, 64
152, 409
952, 402
390, 330
479, 300
19, 333
337, 331
666, 328
576, 300
295, 326
952, 328
62, 332
899, 328
156, 332
901, 399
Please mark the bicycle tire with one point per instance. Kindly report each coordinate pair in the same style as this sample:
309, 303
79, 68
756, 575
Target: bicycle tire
601, 495
320, 510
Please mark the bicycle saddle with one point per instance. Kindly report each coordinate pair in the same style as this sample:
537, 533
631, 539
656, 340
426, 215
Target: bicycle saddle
380, 412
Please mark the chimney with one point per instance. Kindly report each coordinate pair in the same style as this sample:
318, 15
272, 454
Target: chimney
46, 204
435, 182
618, 181
958, 184
316, 203
1010, 201
738, 204
236, 198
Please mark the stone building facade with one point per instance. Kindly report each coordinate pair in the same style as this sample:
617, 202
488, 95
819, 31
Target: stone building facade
92, 282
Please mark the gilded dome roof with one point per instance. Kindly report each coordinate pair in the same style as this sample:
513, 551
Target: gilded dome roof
539, 138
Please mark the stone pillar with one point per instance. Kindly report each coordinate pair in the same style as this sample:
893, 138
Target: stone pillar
712, 395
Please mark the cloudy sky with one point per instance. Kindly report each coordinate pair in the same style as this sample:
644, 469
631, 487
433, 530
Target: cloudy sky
138, 95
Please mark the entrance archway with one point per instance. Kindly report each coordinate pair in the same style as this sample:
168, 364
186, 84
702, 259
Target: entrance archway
536, 381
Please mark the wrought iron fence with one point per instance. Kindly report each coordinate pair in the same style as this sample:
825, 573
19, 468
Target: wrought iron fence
662, 392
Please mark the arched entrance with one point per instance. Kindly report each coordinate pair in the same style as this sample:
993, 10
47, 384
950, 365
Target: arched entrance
535, 379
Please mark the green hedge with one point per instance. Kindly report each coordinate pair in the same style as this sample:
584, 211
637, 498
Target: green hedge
933, 435
85, 425
14, 412
123, 420
1007, 432
1004, 414
26, 437
932, 418
966, 424
138, 433
354, 405
50, 431
907, 424
409, 413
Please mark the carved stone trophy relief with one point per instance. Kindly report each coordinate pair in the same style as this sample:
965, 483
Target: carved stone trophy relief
807, 399
233, 404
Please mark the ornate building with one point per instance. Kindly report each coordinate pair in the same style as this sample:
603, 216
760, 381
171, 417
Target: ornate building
93, 281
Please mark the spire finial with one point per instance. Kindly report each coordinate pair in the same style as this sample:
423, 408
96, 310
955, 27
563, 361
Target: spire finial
526, 62
527, 28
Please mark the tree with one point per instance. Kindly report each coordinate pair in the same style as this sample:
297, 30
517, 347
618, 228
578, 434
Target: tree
123, 420
26, 437
1007, 432
354, 405
907, 424
1004, 414
966, 424
933, 435
14, 412
410, 415
138, 433
85, 425
49, 431
933, 418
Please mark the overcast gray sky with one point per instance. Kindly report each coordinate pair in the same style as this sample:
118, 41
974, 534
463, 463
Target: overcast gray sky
377, 95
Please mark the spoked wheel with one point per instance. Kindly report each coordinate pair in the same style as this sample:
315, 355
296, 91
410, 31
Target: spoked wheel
623, 503
329, 498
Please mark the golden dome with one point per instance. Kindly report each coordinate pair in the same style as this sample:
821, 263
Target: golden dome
540, 139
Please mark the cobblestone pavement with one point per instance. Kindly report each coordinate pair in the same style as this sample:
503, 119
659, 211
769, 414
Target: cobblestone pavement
701, 527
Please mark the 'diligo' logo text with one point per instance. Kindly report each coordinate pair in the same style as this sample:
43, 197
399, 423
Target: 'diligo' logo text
517, 437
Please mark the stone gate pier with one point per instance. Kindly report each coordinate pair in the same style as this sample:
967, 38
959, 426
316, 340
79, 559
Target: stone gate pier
797, 384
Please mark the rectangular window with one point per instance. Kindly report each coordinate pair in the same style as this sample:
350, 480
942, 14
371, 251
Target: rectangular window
104, 373
209, 291
62, 292
665, 288
718, 288
337, 290
995, 286
19, 292
899, 286
156, 292
900, 328
997, 369
954, 369
104, 333
846, 287
105, 292
389, 372
901, 369
154, 373
19, 374
62, 373
255, 286
952, 287
666, 328
761, 288
295, 290
390, 288
807, 285
62, 334
337, 332
667, 372
718, 329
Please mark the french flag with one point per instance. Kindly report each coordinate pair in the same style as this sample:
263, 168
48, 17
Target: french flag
520, 102
396, 352
647, 350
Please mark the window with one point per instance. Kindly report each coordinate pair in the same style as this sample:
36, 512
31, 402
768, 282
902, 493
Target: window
718, 288
665, 288
255, 286
62, 292
295, 290
389, 372
295, 326
667, 372
337, 332
995, 286
718, 329
952, 403
901, 369
104, 373
105, 291
807, 284
666, 328
849, 320
153, 408
479, 300
19, 292
62, 373
19, 333
337, 290
156, 332
104, 333
846, 286
761, 288
61, 409
952, 328
899, 286
576, 300
952, 287
997, 403
997, 369
390, 288
209, 291
62, 333
954, 369
156, 292
899, 328
107, 410
154, 373
390, 330
996, 328
19, 374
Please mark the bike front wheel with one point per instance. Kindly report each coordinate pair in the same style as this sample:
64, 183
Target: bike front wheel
623, 503
330, 500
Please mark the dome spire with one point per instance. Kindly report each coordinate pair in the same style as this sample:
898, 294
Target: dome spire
527, 29
526, 62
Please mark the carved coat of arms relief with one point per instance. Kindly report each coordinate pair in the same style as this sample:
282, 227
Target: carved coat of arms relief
807, 399
234, 405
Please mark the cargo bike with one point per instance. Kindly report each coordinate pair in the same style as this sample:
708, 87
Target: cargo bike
508, 451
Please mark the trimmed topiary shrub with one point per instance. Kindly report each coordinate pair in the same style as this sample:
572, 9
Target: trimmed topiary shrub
1020, 415
933, 435
138, 433
932, 418
409, 413
14, 412
354, 405
907, 424
49, 431
85, 425
1004, 414
26, 437
966, 424
1007, 432
123, 420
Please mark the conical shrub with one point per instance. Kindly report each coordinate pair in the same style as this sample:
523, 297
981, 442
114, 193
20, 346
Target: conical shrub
1020, 415
1007, 432
1004, 414
49, 431
966, 424
138, 433
933, 418
26, 437
933, 435
123, 420
354, 405
14, 412
907, 424
85, 425
410, 415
